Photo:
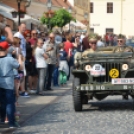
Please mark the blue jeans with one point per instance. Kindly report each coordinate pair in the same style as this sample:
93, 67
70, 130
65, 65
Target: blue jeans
55, 76
7, 101
41, 80
70, 63
48, 79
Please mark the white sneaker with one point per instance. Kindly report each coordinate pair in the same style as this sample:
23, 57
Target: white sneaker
32, 91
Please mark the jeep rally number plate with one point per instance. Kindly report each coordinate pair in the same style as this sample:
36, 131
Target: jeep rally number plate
97, 67
123, 81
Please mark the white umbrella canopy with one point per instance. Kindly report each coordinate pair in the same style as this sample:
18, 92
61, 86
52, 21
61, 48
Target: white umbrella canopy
76, 24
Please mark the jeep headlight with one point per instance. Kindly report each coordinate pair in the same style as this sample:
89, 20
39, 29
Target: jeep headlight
125, 67
88, 68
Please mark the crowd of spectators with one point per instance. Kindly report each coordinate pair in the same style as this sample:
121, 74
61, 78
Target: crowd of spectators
31, 62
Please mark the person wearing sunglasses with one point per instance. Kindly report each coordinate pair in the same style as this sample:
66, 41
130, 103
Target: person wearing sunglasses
52, 51
121, 40
92, 43
92, 38
121, 45
34, 71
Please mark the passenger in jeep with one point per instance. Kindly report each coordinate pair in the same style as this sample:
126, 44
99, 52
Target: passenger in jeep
92, 43
121, 45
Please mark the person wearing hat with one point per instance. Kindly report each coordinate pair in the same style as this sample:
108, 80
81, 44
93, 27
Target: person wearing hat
92, 48
7, 64
58, 38
121, 39
121, 45
92, 43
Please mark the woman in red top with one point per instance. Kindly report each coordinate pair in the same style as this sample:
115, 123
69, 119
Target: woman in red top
68, 47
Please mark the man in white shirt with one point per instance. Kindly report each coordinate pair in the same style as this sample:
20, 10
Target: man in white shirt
41, 65
19, 34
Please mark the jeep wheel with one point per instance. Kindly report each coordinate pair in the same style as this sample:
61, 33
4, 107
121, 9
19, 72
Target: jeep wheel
77, 101
76, 82
77, 98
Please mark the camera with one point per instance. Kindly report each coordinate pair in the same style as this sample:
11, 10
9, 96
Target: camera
2, 37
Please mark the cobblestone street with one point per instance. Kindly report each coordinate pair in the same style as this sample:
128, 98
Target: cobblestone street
110, 116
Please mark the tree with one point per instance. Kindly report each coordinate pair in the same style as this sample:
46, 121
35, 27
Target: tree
60, 18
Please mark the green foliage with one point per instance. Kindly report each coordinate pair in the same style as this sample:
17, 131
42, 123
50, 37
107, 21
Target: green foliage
60, 18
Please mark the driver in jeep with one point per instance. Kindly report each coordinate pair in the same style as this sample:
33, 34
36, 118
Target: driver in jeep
93, 47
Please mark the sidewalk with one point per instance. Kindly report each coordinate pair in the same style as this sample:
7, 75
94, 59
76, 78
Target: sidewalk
33, 104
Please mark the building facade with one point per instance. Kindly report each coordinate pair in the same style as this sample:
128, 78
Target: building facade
38, 7
82, 10
81, 7
112, 16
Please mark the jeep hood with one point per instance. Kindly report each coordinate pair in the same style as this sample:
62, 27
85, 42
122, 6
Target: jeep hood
99, 55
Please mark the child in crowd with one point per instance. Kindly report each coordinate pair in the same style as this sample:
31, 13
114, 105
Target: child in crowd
14, 51
63, 65
7, 98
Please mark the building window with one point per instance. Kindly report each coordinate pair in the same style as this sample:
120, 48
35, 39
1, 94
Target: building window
92, 30
91, 7
109, 30
109, 7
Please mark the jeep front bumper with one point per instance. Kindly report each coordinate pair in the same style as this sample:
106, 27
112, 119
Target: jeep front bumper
104, 87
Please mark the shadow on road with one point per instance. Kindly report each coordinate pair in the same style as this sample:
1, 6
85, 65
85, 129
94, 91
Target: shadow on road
109, 105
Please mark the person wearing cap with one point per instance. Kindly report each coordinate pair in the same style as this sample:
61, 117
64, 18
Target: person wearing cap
7, 64
92, 43
121, 45
4, 45
58, 38
121, 39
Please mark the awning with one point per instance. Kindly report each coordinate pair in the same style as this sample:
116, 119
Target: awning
6, 12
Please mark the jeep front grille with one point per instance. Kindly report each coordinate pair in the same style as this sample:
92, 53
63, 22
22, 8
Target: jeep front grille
108, 67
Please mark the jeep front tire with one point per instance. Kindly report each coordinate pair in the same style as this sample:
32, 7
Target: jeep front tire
77, 97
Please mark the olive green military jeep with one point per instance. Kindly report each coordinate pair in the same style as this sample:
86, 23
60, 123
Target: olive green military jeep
105, 72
